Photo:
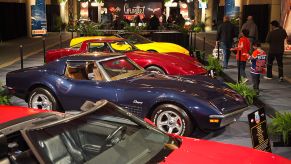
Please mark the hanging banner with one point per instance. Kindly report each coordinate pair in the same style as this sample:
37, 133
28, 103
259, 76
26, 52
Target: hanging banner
38, 18
84, 10
131, 8
286, 21
230, 9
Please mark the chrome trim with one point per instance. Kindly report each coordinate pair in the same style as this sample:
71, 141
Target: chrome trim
229, 114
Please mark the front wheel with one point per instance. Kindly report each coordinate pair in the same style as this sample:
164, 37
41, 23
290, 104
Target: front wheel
41, 98
170, 118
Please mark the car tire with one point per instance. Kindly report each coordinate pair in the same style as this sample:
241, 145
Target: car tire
41, 98
155, 69
178, 123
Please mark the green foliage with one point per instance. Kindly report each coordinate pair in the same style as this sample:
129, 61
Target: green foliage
213, 64
4, 97
99, 1
165, 1
90, 29
235, 20
177, 28
199, 27
243, 89
281, 124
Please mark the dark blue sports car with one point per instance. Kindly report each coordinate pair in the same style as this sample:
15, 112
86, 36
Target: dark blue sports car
175, 104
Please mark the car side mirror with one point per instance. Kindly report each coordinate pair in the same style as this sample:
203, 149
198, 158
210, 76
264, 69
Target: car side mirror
149, 122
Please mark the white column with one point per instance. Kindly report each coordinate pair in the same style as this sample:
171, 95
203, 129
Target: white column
64, 11
100, 5
29, 3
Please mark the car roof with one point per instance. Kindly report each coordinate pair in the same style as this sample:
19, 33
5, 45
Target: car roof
78, 40
92, 56
104, 40
10, 113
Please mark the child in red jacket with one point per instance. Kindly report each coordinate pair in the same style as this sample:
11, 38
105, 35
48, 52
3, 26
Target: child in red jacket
243, 48
258, 66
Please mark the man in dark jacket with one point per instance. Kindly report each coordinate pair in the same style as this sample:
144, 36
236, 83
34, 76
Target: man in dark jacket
154, 23
253, 30
225, 35
276, 38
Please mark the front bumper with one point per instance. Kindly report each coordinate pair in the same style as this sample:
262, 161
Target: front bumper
226, 119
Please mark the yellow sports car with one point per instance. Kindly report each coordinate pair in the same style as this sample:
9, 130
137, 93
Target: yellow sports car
145, 44
140, 42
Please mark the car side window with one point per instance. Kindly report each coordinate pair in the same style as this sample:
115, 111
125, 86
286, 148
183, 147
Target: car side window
98, 47
84, 70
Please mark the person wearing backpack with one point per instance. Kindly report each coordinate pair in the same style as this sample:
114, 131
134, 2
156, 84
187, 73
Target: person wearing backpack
258, 65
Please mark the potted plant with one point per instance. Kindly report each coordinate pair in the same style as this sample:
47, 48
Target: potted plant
243, 89
280, 129
4, 97
213, 66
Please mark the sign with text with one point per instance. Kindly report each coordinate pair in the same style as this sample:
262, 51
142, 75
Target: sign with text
38, 18
258, 130
230, 9
131, 8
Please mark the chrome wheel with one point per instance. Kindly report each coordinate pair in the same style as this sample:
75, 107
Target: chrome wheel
41, 101
169, 122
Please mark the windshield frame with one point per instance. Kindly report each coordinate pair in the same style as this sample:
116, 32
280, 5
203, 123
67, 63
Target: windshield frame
93, 107
107, 77
135, 35
134, 48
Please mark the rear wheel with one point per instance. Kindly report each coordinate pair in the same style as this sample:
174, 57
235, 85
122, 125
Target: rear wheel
172, 119
156, 69
41, 98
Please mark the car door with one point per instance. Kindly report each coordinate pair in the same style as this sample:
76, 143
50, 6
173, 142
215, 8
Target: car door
78, 86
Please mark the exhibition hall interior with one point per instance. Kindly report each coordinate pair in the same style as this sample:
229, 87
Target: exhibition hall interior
145, 82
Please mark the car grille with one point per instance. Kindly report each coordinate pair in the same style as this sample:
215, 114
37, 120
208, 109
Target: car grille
227, 104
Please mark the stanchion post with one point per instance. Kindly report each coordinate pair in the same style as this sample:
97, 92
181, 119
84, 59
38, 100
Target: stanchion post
218, 47
204, 40
190, 41
21, 55
194, 41
238, 66
43, 45
61, 40
72, 34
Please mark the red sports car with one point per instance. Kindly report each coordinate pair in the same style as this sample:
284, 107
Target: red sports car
105, 133
166, 63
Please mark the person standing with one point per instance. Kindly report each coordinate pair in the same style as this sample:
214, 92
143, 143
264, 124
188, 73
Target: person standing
154, 23
258, 64
253, 30
225, 35
242, 55
276, 38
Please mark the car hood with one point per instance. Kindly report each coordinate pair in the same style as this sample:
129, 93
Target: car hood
185, 64
201, 87
163, 47
201, 151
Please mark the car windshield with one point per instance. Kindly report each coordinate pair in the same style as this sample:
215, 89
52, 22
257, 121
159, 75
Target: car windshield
135, 38
120, 68
122, 46
105, 135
